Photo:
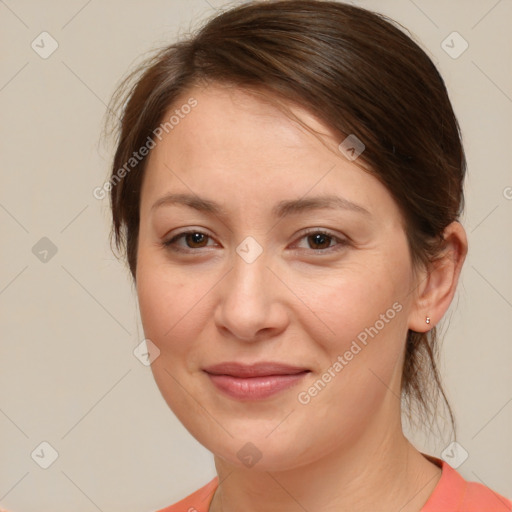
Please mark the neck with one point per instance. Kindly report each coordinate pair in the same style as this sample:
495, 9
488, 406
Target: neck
382, 471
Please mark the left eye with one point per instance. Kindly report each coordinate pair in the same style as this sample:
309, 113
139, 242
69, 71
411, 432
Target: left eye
323, 239
198, 240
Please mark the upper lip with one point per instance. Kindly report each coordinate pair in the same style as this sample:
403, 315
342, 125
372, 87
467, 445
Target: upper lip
260, 369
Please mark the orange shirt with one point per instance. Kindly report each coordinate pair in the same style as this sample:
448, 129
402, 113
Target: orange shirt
451, 494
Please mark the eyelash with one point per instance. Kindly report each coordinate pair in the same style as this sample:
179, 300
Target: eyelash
171, 243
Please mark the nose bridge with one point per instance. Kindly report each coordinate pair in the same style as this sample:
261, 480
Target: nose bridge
247, 302
250, 269
250, 250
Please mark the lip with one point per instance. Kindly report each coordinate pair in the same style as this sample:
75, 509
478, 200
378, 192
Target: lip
256, 381
261, 369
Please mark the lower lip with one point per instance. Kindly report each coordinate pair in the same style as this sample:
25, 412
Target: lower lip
254, 388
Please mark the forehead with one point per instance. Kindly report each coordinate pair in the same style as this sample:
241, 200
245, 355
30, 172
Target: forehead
237, 147
228, 118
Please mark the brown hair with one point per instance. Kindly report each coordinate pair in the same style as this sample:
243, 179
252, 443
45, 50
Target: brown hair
357, 72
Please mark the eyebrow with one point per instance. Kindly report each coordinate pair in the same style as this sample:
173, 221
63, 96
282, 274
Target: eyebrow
282, 209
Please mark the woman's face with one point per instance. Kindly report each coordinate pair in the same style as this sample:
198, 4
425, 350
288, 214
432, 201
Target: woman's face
326, 289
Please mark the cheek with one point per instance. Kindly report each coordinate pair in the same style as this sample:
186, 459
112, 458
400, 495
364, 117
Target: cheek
363, 322
169, 308
167, 305
346, 304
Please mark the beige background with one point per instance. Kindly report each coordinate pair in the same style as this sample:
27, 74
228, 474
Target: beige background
68, 375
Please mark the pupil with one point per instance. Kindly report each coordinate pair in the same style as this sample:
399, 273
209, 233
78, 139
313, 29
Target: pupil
319, 237
196, 238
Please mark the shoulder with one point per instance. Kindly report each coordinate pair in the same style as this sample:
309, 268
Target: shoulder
480, 497
453, 493
198, 501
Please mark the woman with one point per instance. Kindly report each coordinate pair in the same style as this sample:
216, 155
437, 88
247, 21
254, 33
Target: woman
287, 186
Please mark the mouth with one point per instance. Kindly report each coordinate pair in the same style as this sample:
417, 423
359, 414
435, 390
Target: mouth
255, 381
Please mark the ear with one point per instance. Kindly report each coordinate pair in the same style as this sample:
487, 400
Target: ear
436, 285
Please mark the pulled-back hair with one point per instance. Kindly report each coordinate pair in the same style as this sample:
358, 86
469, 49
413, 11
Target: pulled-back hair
355, 70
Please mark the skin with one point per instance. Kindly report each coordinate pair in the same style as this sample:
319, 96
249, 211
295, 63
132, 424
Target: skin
299, 303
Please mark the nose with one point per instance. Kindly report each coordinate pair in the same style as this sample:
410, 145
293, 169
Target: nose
251, 301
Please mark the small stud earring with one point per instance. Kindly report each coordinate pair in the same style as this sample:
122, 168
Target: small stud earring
427, 319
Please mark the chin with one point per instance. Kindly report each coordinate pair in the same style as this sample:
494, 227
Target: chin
259, 452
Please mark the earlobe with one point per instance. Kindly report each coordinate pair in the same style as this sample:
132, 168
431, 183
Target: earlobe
438, 284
